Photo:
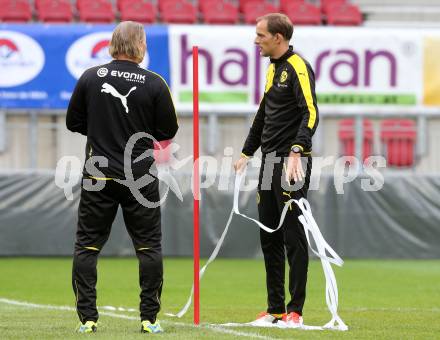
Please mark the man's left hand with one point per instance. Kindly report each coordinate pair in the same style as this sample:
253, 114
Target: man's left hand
294, 168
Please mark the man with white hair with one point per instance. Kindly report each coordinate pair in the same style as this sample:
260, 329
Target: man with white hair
110, 104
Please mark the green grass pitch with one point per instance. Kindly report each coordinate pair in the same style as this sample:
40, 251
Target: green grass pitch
377, 299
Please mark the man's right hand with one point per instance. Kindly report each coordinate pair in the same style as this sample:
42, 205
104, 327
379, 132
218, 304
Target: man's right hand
240, 165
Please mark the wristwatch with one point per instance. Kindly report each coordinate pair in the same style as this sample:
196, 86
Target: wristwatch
296, 149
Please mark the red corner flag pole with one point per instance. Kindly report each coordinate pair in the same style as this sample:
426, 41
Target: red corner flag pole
196, 183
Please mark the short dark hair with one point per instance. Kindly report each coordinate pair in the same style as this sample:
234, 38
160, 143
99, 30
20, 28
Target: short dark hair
278, 23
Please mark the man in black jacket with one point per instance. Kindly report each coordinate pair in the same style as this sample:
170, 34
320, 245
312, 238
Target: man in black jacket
283, 126
110, 104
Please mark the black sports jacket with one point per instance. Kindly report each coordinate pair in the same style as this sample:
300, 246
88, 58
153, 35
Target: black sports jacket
288, 114
112, 102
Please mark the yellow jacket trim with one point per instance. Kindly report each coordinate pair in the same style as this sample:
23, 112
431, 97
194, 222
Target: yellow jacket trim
303, 76
101, 178
166, 84
269, 77
92, 248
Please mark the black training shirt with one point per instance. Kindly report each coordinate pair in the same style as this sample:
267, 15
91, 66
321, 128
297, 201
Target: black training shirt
112, 102
288, 114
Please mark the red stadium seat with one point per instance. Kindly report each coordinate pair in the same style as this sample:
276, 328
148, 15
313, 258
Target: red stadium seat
80, 3
347, 138
326, 4
143, 12
39, 3
398, 137
203, 4
163, 3
253, 10
121, 3
284, 4
208, 3
161, 152
344, 15
54, 11
15, 11
301, 13
96, 11
218, 12
180, 12
244, 3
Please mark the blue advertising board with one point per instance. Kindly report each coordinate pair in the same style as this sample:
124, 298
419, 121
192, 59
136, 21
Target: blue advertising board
40, 64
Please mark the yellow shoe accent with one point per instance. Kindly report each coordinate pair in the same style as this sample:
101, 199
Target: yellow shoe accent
148, 327
88, 327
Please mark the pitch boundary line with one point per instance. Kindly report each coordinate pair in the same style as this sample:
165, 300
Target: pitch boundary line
217, 329
348, 309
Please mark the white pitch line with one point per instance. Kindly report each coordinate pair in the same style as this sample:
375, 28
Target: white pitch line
390, 309
129, 317
34, 305
230, 331
380, 309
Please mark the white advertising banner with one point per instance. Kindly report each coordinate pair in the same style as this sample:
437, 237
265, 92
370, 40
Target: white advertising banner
360, 66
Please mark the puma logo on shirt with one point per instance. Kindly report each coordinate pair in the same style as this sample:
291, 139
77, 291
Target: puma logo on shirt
107, 88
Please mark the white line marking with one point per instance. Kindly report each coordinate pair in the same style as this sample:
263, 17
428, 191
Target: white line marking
230, 331
278, 325
119, 309
391, 309
129, 317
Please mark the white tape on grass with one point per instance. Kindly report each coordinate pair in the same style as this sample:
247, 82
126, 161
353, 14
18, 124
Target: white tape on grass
322, 249
214, 328
279, 324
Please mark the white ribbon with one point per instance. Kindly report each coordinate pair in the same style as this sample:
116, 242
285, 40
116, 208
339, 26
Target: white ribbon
202, 271
331, 287
322, 248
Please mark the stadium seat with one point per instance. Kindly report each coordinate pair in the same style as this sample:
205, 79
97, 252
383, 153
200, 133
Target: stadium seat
302, 13
161, 153
15, 11
284, 4
243, 3
54, 11
209, 3
80, 3
344, 15
143, 12
179, 12
347, 138
219, 12
327, 4
163, 3
121, 3
254, 10
39, 3
96, 11
398, 137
